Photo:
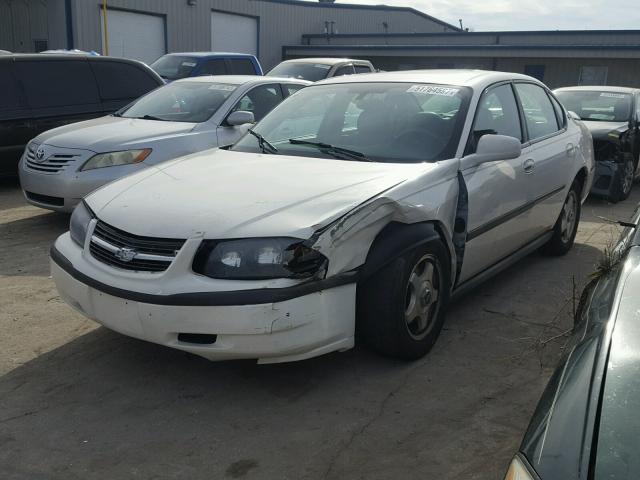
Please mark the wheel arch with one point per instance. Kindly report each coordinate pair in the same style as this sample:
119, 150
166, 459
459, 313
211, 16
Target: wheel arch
582, 177
397, 239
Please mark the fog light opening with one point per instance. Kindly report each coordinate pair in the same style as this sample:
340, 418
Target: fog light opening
197, 338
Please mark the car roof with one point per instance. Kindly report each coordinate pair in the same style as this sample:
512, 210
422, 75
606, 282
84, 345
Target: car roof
597, 88
241, 79
477, 79
325, 60
210, 54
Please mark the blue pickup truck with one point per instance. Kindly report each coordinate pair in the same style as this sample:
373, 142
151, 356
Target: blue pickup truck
174, 66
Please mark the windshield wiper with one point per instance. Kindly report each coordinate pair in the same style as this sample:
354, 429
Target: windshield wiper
338, 152
263, 143
150, 117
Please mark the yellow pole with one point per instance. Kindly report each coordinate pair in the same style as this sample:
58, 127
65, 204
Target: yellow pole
105, 50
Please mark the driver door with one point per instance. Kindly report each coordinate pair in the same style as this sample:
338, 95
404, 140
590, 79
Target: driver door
498, 191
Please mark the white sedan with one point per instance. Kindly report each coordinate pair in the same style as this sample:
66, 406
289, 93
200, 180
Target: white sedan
361, 203
62, 165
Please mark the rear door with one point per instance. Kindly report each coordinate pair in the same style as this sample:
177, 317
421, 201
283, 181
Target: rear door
16, 126
498, 191
548, 155
59, 91
120, 83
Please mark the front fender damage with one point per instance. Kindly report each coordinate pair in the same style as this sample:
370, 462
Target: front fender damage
347, 240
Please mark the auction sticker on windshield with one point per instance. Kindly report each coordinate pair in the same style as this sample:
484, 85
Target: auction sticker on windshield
223, 88
430, 90
613, 95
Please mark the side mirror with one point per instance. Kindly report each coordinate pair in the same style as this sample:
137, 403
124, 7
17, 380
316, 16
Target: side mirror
240, 117
492, 148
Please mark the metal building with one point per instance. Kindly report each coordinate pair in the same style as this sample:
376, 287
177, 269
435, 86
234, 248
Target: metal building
146, 29
392, 37
559, 58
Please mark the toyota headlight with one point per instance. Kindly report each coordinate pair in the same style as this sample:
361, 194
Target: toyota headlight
258, 258
79, 224
113, 159
520, 470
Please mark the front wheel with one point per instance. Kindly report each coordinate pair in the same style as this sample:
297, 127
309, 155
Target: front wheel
401, 308
566, 228
623, 181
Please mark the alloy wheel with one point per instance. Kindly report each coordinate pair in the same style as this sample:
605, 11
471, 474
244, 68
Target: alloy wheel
422, 297
569, 217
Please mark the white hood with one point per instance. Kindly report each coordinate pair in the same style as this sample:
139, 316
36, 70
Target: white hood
108, 133
234, 195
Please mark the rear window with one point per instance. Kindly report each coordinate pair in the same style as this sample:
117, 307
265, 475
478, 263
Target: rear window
10, 94
242, 66
57, 83
122, 81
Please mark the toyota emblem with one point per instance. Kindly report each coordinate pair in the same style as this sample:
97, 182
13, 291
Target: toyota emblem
40, 153
125, 254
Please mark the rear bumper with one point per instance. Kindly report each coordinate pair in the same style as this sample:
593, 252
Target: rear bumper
311, 324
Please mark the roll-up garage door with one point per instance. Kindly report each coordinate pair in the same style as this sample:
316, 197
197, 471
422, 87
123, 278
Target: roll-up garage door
234, 33
134, 35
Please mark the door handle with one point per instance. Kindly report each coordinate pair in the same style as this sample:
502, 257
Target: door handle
571, 149
528, 165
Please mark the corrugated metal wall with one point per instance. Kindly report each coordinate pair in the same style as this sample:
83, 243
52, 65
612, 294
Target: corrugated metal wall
21, 23
189, 27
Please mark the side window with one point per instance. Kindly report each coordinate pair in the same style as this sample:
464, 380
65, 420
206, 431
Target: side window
121, 81
562, 121
260, 100
214, 67
242, 66
10, 94
539, 113
346, 70
291, 89
497, 113
58, 83
362, 69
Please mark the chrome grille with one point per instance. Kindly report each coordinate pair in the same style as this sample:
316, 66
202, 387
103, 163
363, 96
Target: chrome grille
51, 163
132, 252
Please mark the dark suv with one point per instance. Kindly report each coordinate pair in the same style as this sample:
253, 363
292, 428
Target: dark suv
41, 92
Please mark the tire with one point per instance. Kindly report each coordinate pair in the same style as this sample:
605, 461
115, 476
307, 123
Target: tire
406, 288
623, 181
566, 227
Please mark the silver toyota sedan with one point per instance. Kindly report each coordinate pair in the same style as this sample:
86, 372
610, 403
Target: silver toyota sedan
62, 165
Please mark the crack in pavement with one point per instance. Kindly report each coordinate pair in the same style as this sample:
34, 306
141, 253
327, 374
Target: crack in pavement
358, 432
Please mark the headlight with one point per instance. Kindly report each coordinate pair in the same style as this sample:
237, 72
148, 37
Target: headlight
79, 223
258, 258
519, 470
113, 159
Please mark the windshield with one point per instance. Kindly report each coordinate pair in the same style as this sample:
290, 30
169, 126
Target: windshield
598, 106
303, 71
383, 122
173, 67
181, 102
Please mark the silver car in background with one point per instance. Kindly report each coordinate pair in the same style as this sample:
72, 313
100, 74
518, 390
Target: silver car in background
61, 166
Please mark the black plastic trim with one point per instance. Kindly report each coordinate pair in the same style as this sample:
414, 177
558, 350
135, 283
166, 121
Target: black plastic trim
208, 299
482, 229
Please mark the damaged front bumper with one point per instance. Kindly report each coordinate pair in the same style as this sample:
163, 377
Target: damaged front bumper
605, 176
281, 325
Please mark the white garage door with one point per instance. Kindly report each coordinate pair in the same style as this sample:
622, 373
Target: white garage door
234, 33
134, 35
